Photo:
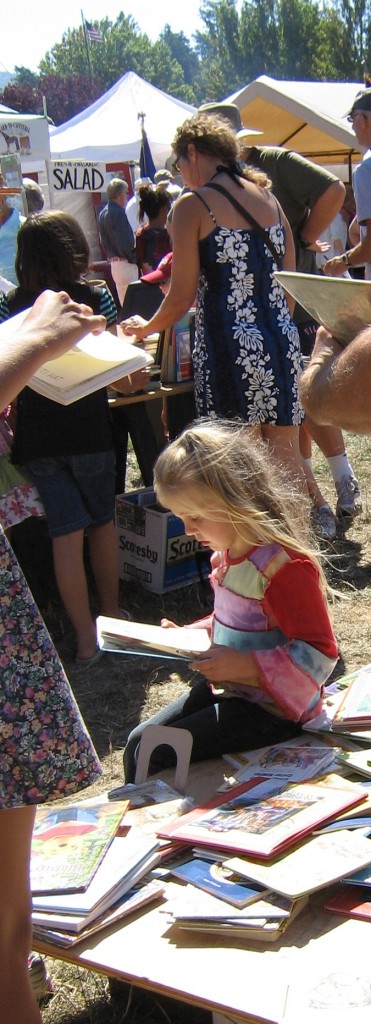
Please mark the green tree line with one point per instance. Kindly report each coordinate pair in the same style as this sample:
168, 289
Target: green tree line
306, 40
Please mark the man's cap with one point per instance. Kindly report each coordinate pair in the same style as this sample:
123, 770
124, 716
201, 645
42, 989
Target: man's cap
362, 101
142, 181
162, 274
231, 114
162, 176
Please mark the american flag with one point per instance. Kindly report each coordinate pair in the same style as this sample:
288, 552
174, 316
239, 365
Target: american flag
93, 33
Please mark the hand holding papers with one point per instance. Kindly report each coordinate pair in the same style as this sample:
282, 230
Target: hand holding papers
341, 305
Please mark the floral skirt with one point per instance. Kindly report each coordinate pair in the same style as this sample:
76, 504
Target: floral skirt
45, 749
19, 498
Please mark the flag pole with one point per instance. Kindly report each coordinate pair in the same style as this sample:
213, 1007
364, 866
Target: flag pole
87, 50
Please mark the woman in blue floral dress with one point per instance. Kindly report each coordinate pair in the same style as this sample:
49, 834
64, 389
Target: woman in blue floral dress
229, 236
45, 750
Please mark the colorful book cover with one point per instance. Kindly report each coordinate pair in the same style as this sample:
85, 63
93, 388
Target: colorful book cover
127, 859
69, 843
219, 881
268, 826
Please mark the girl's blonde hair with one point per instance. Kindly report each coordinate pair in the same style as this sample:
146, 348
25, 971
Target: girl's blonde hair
224, 473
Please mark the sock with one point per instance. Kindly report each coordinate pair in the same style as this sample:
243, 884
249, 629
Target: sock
339, 466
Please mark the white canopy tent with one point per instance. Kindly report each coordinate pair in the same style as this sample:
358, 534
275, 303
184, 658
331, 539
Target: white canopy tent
109, 132
309, 117
110, 129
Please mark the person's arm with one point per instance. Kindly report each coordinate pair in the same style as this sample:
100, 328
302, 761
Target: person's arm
335, 388
354, 232
184, 271
289, 259
53, 326
356, 257
323, 212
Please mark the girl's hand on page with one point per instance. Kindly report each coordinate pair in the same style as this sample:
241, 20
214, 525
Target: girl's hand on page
168, 624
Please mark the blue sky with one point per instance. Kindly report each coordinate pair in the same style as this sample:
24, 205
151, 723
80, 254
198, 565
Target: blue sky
26, 38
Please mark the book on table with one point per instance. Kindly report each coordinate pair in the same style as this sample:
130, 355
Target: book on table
68, 929
354, 710
358, 761
180, 642
263, 921
265, 827
350, 901
288, 762
96, 361
318, 862
219, 881
70, 841
342, 305
127, 859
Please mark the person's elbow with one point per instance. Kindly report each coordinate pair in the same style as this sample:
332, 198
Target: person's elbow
335, 196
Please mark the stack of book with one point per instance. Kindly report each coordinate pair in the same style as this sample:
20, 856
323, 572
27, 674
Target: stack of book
254, 862
87, 870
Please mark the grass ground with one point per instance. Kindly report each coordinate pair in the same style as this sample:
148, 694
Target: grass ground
120, 690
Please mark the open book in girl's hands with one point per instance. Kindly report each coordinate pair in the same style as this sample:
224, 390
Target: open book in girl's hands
179, 642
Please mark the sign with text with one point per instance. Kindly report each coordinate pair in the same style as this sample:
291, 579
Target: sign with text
26, 135
79, 176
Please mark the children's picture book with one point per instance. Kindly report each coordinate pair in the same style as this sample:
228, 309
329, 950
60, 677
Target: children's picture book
95, 362
318, 862
350, 902
268, 826
68, 929
286, 762
219, 881
181, 643
69, 842
342, 305
126, 861
354, 710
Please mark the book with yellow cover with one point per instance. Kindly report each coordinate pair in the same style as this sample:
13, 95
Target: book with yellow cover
95, 362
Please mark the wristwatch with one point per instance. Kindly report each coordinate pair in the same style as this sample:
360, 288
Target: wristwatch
345, 259
303, 242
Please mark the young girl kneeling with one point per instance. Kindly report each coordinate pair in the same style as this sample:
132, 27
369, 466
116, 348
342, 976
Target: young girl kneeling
273, 646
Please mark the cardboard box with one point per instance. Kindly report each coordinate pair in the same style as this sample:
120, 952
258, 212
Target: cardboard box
153, 547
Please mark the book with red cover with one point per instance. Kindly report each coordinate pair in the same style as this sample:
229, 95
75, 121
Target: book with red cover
351, 902
262, 829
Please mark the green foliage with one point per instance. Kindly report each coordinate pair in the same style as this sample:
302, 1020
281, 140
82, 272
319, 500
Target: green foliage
310, 40
65, 96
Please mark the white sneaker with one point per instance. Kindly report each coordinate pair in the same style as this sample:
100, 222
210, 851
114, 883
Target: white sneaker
323, 522
349, 503
41, 981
